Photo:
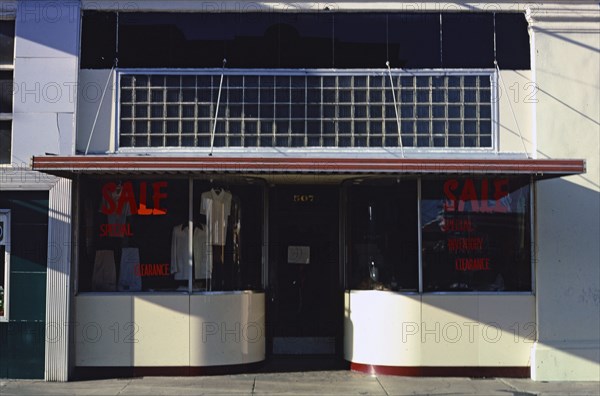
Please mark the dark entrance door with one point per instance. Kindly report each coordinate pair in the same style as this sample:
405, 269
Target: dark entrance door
305, 298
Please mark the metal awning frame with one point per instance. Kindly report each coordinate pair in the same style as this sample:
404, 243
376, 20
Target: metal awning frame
69, 166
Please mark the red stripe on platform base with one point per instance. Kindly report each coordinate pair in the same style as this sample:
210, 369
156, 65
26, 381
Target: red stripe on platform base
411, 371
89, 373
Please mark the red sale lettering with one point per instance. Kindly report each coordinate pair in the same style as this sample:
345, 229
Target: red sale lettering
464, 244
500, 191
117, 198
115, 230
457, 225
127, 197
108, 205
151, 270
467, 198
483, 207
449, 187
143, 210
158, 195
468, 194
472, 264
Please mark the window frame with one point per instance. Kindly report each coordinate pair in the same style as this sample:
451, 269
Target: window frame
5, 217
338, 150
531, 187
193, 183
530, 230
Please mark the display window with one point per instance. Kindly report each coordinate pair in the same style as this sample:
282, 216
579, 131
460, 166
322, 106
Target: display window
476, 234
382, 235
135, 235
229, 220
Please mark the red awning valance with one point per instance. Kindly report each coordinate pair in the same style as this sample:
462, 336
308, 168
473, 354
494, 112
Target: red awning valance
110, 164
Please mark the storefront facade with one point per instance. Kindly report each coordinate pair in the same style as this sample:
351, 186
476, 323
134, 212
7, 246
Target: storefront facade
243, 184
393, 274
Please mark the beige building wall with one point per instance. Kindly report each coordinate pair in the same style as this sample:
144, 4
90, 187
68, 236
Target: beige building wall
567, 76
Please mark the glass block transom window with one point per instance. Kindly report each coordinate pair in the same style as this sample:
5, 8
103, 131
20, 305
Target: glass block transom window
442, 110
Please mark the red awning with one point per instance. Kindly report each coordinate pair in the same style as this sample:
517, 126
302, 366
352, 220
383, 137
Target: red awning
67, 166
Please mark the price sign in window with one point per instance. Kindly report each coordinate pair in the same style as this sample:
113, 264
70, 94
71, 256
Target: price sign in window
5, 262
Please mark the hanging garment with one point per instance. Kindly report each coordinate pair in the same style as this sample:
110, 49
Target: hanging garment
116, 219
216, 205
180, 257
180, 252
236, 221
128, 280
202, 254
105, 274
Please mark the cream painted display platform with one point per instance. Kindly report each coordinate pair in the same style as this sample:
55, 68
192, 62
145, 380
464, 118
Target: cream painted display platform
169, 329
445, 330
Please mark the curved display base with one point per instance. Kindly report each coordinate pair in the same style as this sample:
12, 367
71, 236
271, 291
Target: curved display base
473, 335
477, 372
165, 332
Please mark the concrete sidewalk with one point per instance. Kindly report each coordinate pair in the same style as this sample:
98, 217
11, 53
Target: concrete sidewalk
300, 383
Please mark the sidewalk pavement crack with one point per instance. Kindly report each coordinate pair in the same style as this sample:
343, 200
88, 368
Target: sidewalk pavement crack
514, 389
125, 386
380, 384
253, 385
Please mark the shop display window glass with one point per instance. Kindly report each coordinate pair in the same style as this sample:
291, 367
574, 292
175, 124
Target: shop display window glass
381, 234
229, 216
476, 234
126, 232
134, 236
4, 263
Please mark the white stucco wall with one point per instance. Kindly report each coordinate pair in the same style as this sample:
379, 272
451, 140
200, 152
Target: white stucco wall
567, 75
516, 101
45, 78
96, 112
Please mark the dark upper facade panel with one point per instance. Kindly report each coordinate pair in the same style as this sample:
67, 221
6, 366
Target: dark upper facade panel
305, 40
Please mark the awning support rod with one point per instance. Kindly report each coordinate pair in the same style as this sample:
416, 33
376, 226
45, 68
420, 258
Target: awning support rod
212, 135
512, 110
110, 74
505, 90
395, 107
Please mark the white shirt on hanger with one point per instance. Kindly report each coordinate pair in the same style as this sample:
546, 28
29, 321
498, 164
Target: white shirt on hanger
216, 206
180, 253
202, 254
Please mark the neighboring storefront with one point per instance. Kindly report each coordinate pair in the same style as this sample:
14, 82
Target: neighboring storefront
23, 256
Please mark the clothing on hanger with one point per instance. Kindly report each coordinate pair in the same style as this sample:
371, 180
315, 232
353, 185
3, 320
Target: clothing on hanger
202, 256
216, 205
105, 274
116, 218
128, 280
203, 261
